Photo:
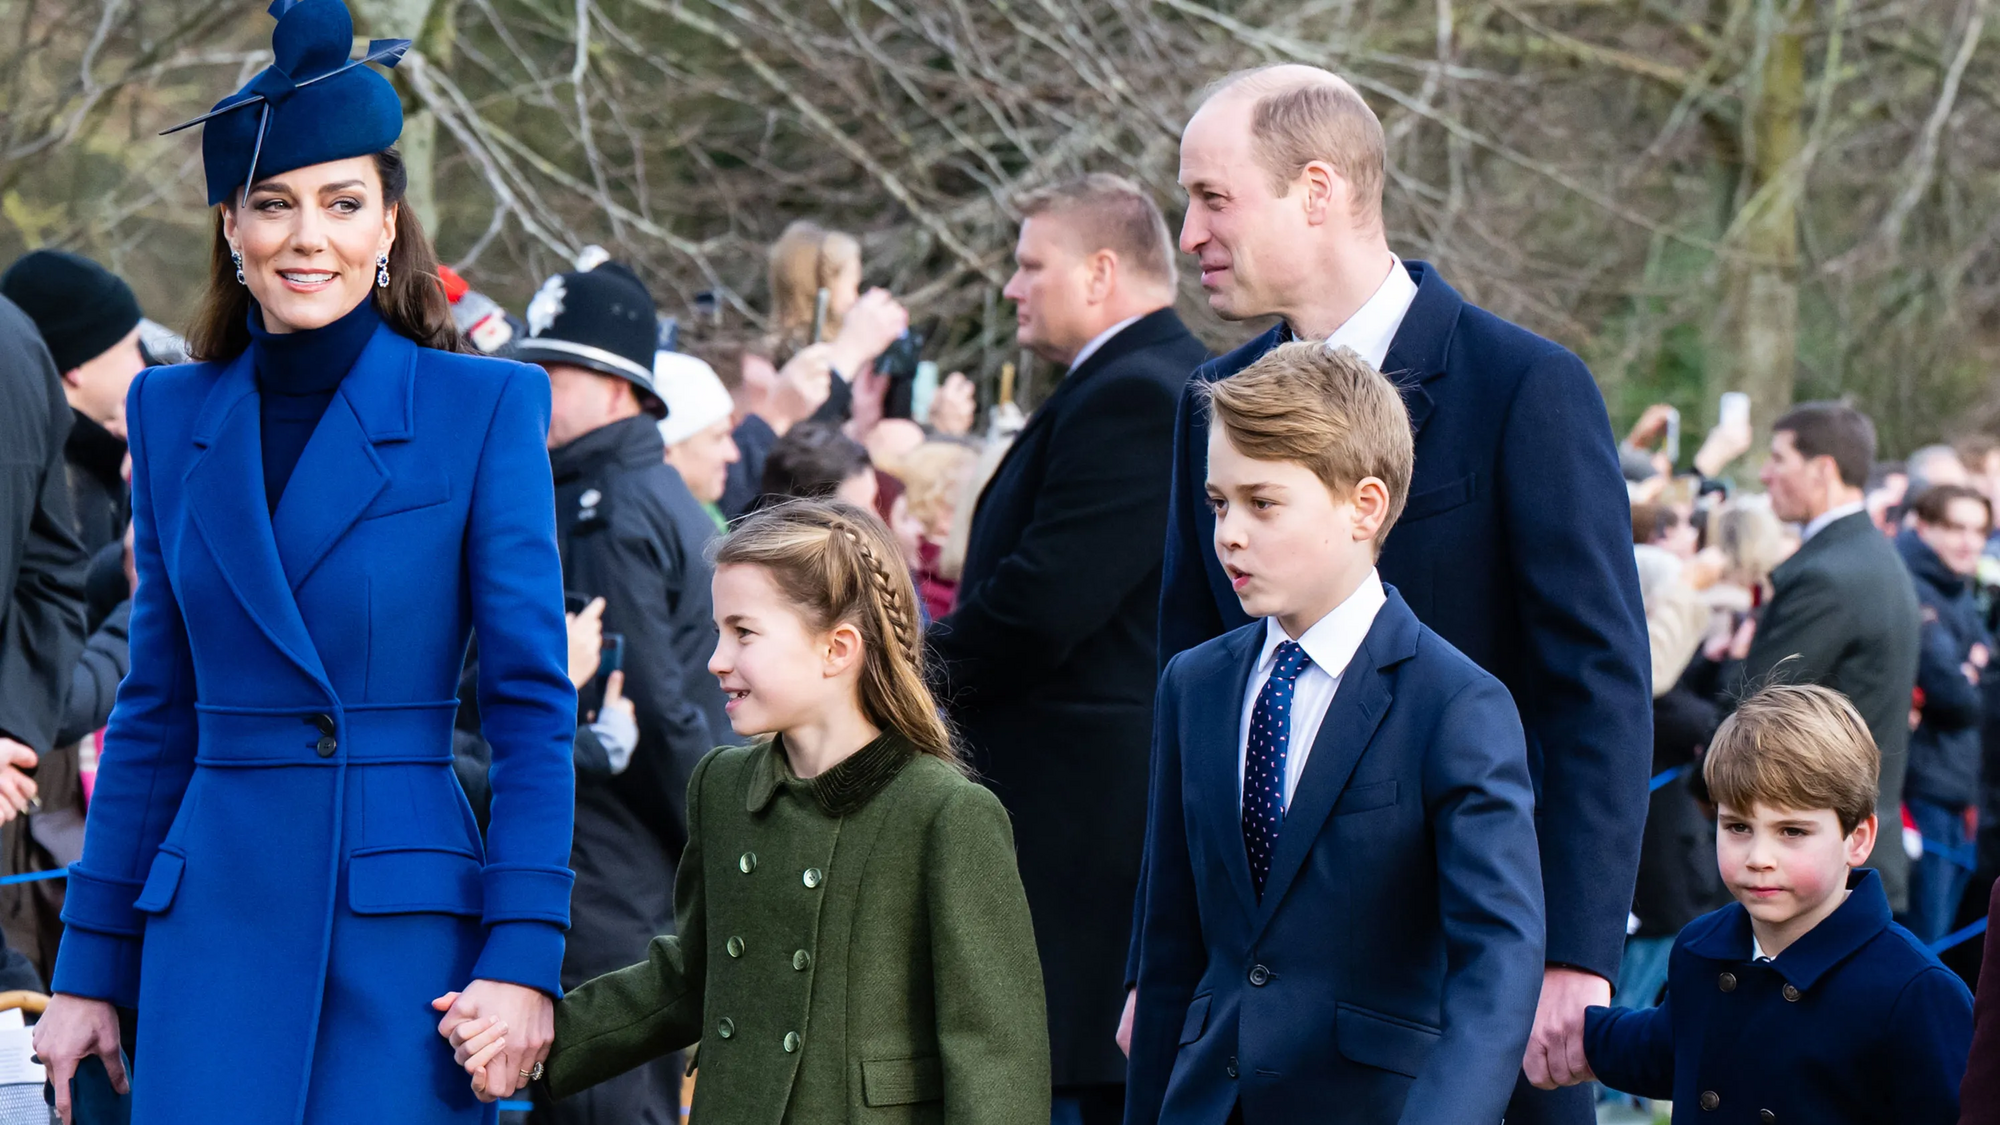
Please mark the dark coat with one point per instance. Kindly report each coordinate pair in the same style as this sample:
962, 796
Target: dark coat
754, 439
1048, 661
1855, 1022
1945, 747
93, 685
850, 948
1979, 1097
1390, 970
1678, 878
1843, 614
1516, 547
41, 563
94, 462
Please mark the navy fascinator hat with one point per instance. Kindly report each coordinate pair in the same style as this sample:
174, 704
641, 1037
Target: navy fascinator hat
311, 105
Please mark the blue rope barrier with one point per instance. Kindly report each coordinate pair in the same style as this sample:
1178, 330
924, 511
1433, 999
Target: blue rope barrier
34, 876
1965, 856
1664, 778
1958, 937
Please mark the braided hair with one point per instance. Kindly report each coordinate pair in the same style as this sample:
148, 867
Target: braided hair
839, 564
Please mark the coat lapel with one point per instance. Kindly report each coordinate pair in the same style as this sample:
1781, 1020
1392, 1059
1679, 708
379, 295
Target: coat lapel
225, 497
1344, 736
1417, 354
1218, 729
339, 473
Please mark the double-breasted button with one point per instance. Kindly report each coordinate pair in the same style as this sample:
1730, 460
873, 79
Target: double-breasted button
735, 947
326, 746
725, 1027
813, 877
801, 960
1767, 1117
1710, 1099
322, 723
1259, 975
792, 1042
1726, 982
748, 863
1791, 993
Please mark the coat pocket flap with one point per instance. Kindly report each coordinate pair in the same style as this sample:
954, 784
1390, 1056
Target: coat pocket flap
902, 1081
161, 883
1377, 1040
1441, 498
1363, 798
1197, 1019
413, 881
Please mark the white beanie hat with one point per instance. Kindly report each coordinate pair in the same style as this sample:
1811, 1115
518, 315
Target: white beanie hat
695, 397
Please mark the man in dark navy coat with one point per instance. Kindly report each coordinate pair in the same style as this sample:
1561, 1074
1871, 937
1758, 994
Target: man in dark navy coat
1049, 655
1515, 546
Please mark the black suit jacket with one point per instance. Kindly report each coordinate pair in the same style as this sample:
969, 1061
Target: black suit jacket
1516, 547
1844, 614
1048, 662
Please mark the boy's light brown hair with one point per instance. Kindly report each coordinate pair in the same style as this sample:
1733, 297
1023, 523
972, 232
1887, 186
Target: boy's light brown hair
1326, 409
1795, 746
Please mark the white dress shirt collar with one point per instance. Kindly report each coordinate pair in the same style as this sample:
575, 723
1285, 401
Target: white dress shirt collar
1333, 640
1372, 328
1103, 338
1820, 521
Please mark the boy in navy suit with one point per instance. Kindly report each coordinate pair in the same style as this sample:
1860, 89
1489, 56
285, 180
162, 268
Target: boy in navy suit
1802, 1001
1343, 901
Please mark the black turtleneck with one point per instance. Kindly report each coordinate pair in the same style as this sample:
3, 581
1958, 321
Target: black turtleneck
297, 374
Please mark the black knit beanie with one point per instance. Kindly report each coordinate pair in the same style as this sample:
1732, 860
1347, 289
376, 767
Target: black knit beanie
81, 308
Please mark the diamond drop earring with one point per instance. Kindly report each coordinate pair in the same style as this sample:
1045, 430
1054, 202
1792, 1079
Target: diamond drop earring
382, 270
236, 256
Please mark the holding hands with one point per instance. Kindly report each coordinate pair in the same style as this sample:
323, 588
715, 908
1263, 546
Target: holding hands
500, 1033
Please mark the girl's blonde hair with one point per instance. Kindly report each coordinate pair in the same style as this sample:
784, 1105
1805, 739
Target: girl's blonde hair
839, 564
804, 260
933, 476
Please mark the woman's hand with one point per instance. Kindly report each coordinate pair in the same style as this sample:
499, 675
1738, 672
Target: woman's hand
586, 642
71, 1030
517, 1024
956, 406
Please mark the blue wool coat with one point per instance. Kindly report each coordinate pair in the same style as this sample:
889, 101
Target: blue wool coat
1853, 1022
280, 870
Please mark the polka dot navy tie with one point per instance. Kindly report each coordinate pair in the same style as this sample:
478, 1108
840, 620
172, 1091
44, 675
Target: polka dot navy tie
1264, 761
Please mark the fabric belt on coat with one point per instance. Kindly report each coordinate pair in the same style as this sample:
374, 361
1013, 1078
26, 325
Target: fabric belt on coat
374, 734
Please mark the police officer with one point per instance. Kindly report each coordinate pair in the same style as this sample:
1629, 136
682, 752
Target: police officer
622, 519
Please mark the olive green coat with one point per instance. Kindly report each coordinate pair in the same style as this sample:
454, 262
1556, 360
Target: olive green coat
851, 948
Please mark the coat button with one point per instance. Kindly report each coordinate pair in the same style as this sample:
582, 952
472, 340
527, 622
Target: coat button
792, 1042
748, 863
725, 1027
1710, 1099
801, 960
1259, 975
324, 723
813, 877
327, 746
736, 947
1791, 993
1766, 1116
1230, 1067
1726, 982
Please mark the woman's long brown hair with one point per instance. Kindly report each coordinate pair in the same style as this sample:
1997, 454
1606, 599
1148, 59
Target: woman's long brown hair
414, 304
839, 564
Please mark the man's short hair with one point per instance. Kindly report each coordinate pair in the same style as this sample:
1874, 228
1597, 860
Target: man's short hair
1836, 430
1301, 114
1111, 213
1933, 505
1324, 408
811, 461
725, 353
1795, 746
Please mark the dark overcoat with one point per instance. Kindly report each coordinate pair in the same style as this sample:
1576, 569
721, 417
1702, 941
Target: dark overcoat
1855, 1023
1049, 663
280, 870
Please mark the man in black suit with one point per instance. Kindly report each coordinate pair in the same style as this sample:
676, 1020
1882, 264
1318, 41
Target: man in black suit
1843, 612
1516, 543
1048, 657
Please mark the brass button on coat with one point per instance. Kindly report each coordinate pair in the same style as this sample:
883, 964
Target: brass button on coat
1791, 993
792, 1042
1710, 1099
725, 1027
748, 863
813, 877
736, 947
801, 959
1726, 982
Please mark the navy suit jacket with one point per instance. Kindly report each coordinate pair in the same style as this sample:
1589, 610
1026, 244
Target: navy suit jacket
1391, 969
1516, 547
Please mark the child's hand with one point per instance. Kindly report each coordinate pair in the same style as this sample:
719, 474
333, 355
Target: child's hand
478, 1049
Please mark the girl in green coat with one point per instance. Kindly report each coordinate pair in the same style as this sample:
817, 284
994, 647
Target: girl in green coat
854, 944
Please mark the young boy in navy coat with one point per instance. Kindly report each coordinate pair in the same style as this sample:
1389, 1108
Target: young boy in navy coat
1801, 1002
1343, 903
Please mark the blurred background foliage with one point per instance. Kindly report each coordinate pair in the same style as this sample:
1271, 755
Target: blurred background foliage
1795, 198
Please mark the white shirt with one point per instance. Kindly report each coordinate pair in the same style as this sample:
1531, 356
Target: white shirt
1373, 326
1102, 338
1820, 521
1331, 642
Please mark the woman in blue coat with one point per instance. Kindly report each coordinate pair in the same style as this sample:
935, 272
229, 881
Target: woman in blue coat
280, 871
